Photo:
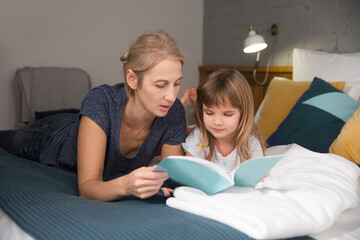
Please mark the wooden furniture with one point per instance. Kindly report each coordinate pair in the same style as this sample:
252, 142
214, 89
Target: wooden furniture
258, 90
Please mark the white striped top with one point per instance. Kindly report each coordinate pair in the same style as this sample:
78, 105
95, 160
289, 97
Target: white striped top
229, 162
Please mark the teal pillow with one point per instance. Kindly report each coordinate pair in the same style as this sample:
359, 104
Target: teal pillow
316, 119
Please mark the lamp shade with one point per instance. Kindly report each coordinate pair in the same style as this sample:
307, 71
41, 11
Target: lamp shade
254, 43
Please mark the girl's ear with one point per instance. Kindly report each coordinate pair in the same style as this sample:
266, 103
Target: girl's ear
131, 79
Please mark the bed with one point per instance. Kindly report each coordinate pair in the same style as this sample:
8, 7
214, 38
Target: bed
40, 202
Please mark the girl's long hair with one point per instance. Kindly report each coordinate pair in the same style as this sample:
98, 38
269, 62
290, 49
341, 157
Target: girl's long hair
221, 85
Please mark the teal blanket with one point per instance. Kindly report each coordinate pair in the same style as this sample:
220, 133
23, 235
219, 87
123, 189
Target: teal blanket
44, 202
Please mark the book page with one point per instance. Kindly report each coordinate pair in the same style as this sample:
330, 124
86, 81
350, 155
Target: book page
197, 173
252, 171
207, 164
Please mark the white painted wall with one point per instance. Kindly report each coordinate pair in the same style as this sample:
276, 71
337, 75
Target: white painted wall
91, 35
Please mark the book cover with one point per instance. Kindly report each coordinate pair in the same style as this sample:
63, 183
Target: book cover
211, 178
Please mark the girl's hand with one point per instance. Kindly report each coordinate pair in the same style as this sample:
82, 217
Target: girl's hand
167, 191
193, 95
143, 182
189, 95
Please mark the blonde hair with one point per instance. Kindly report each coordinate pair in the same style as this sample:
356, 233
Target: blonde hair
147, 51
231, 85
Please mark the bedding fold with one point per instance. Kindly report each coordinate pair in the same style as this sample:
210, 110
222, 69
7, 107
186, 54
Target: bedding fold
303, 194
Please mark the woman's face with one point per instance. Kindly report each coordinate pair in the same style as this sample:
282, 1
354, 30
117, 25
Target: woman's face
160, 87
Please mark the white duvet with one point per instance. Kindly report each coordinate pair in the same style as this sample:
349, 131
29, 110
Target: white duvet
303, 194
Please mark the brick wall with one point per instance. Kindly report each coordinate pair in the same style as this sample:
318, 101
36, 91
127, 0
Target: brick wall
328, 25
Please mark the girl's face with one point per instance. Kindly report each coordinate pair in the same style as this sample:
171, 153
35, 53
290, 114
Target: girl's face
221, 121
160, 87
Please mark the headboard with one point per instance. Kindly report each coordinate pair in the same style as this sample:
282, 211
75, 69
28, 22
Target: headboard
258, 90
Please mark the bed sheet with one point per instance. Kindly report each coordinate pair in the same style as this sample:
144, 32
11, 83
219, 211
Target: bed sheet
346, 227
44, 203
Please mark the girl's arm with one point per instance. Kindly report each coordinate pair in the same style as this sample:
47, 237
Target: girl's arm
142, 182
171, 150
188, 154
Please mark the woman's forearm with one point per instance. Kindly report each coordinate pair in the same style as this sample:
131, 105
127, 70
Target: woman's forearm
103, 190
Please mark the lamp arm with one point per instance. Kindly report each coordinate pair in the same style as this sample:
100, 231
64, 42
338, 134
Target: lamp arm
257, 61
256, 67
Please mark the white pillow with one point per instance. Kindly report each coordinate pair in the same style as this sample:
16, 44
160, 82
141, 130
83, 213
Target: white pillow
330, 67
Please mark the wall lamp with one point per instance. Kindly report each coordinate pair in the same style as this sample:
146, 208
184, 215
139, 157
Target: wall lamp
255, 43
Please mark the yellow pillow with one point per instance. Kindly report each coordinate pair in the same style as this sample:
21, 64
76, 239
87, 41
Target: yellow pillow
280, 98
347, 144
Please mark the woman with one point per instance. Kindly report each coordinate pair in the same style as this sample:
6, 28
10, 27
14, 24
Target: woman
119, 129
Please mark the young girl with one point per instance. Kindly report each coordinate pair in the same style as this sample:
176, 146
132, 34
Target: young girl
225, 132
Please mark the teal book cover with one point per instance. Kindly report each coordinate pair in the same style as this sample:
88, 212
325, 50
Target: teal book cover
211, 178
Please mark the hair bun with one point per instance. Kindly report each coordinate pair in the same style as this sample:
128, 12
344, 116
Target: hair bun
123, 57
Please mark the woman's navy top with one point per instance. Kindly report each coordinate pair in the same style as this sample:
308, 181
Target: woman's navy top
105, 106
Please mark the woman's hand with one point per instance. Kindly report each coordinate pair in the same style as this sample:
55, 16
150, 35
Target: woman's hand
189, 95
143, 182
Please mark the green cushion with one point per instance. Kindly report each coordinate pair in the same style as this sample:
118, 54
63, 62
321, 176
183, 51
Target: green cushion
316, 119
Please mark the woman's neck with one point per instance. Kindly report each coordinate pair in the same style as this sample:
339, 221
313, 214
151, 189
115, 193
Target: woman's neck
136, 117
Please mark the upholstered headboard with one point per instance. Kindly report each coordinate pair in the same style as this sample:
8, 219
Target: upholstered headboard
258, 90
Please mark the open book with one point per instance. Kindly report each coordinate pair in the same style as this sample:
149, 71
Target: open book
211, 178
